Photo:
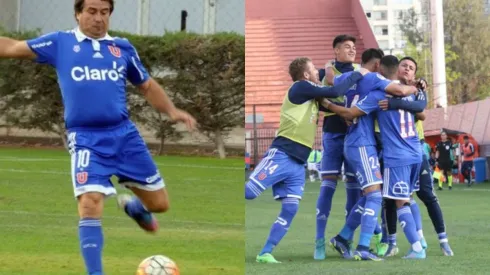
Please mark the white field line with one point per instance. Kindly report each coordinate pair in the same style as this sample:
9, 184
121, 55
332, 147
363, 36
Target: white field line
67, 160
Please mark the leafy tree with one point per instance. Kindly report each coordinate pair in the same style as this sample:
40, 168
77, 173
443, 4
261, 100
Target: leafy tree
209, 82
423, 56
162, 128
467, 46
466, 30
409, 26
204, 74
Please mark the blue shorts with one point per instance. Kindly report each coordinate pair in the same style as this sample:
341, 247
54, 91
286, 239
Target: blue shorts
96, 155
279, 171
401, 182
333, 156
365, 162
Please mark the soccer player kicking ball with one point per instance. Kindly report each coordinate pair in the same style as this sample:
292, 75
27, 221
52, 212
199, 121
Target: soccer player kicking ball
282, 167
360, 150
92, 69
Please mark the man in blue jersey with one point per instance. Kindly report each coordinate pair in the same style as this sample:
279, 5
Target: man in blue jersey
360, 151
282, 167
334, 130
370, 61
402, 157
92, 69
406, 74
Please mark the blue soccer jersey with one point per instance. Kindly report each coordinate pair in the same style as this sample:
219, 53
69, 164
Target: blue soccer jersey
102, 141
361, 132
92, 75
401, 145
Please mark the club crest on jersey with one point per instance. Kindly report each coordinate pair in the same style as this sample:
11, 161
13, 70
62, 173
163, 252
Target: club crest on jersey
82, 177
115, 51
76, 48
262, 176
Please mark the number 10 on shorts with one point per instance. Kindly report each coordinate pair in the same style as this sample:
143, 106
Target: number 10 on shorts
83, 158
82, 161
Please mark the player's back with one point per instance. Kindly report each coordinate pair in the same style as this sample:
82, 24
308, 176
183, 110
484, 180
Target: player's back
361, 132
401, 145
92, 75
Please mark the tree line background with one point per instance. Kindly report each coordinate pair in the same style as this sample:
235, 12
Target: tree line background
467, 48
203, 74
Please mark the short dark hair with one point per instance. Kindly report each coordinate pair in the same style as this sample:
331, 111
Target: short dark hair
411, 59
79, 4
342, 38
390, 63
466, 137
298, 67
371, 54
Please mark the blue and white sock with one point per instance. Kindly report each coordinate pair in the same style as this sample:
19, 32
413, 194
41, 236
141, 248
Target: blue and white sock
281, 225
324, 205
417, 217
91, 244
369, 219
405, 217
442, 237
353, 220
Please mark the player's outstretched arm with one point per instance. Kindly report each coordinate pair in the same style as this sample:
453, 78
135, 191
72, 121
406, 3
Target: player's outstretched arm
158, 98
415, 106
398, 89
302, 91
340, 87
347, 113
329, 76
11, 48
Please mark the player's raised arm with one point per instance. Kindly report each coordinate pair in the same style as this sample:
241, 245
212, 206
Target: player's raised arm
329, 73
305, 90
11, 48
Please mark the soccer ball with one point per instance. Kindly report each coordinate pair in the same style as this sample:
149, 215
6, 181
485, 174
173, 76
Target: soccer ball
157, 265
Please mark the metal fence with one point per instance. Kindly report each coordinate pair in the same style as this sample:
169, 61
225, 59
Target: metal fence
153, 17
258, 138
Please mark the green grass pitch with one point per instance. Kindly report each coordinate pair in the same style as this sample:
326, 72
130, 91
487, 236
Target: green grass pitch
466, 213
203, 232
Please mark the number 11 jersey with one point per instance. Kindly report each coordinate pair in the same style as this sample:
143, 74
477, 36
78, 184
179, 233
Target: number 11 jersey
401, 145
